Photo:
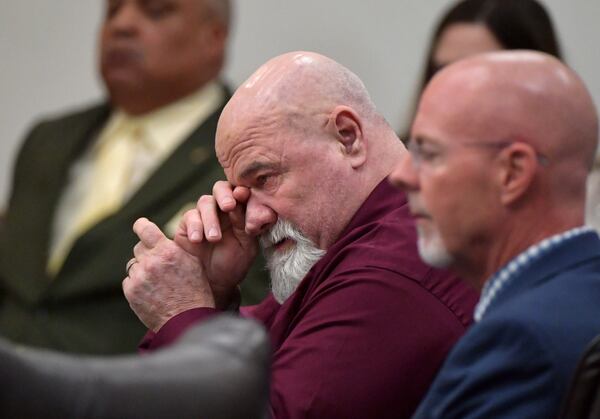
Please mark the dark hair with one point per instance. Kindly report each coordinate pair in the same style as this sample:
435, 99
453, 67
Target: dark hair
516, 24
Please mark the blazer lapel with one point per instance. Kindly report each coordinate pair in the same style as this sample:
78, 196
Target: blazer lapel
70, 142
189, 161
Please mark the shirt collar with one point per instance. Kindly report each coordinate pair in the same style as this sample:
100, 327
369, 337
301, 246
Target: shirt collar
496, 283
166, 127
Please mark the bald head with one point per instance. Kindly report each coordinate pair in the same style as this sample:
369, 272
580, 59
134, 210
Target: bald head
296, 86
303, 129
521, 95
293, 78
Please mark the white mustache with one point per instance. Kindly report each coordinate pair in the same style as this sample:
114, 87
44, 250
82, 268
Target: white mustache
282, 230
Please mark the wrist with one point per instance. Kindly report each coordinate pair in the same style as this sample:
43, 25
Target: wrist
228, 300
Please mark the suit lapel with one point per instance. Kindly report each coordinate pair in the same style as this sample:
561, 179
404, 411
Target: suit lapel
191, 161
70, 141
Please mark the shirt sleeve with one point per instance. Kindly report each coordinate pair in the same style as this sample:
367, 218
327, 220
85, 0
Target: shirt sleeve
174, 328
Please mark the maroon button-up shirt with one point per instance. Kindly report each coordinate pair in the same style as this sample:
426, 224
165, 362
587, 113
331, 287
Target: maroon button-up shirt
368, 327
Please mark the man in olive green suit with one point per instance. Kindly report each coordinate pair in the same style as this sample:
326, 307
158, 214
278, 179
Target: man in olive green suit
67, 235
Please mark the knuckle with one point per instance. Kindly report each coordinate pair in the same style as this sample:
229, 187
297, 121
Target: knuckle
130, 289
205, 200
189, 214
152, 268
170, 255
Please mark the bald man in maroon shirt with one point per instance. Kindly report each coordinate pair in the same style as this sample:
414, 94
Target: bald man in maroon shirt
358, 324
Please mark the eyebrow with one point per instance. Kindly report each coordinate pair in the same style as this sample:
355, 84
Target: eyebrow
256, 167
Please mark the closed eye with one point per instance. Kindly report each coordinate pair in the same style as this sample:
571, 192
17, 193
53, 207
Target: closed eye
265, 181
426, 154
260, 175
262, 180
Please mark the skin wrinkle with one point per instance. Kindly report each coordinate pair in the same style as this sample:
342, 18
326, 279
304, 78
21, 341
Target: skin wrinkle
260, 155
256, 167
234, 144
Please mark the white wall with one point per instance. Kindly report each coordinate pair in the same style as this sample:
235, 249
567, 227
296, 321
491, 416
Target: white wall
48, 51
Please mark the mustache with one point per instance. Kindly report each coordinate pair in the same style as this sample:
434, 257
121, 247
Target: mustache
121, 53
416, 208
281, 230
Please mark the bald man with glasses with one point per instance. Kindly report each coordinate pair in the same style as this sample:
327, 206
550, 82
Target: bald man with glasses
501, 147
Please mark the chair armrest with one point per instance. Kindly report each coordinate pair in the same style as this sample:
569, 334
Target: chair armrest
219, 369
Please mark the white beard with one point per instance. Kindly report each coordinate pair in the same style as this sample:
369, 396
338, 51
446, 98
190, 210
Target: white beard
288, 267
432, 249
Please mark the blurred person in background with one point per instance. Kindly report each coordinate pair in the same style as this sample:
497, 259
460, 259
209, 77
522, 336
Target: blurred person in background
471, 27
80, 180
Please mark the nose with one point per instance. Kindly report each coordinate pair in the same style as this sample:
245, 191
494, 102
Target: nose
124, 20
405, 175
259, 217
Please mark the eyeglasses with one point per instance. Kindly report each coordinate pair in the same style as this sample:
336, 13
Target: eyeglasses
428, 152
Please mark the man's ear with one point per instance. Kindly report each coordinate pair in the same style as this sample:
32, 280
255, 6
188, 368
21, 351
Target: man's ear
519, 163
348, 131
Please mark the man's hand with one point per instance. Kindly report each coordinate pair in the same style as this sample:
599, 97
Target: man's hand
164, 280
215, 233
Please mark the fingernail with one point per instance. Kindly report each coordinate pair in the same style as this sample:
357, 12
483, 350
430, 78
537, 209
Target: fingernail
213, 232
195, 236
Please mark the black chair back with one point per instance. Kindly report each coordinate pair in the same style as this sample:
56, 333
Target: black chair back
218, 369
583, 397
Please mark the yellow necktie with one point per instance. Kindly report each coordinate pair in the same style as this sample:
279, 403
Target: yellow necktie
111, 173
